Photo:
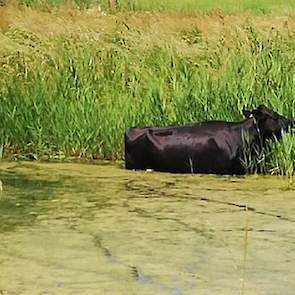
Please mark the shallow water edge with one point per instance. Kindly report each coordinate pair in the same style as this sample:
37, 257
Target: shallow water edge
70, 228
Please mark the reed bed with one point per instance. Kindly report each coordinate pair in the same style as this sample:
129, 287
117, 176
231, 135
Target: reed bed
74, 92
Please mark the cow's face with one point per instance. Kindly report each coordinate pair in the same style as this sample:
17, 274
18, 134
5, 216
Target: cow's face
270, 123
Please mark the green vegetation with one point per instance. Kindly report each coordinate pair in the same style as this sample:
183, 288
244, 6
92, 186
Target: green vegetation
262, 6
74, 93
228, 6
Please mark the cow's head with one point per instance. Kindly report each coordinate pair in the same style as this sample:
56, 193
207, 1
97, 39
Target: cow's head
270, 123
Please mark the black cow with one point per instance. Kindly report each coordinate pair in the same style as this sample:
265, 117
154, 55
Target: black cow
210, 147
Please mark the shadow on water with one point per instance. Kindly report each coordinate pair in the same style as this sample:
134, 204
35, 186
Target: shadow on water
20, 202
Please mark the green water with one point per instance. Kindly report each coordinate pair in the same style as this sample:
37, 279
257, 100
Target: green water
98, 229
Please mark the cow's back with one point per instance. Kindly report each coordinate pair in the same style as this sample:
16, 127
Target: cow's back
208, 147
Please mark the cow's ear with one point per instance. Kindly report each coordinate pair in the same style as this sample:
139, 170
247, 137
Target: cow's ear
262, 107
246, 112
259, 114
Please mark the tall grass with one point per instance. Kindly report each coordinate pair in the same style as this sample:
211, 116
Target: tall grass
283, 155
261, 6
228, 6
75, 95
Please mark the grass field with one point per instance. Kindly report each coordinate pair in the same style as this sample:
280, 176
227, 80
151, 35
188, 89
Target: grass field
72, 80
189, 6
228, 6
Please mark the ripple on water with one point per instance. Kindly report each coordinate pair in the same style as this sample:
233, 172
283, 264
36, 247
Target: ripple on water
91, 229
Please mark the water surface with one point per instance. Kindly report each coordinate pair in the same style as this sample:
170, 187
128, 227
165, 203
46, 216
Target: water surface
98, 229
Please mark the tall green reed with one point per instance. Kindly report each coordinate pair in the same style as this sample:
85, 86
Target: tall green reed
77, 95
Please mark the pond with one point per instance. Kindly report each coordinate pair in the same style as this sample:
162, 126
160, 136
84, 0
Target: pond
68, 228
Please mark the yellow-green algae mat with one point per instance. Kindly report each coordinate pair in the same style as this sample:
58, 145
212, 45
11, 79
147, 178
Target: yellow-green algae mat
99, 229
